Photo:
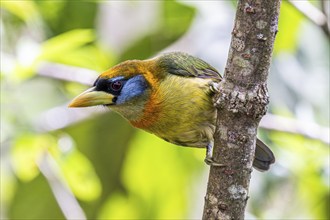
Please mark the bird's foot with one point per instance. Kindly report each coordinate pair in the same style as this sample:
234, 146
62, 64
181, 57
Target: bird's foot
214, 87
210, 161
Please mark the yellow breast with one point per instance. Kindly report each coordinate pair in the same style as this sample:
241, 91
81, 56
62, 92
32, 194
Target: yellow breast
180, 111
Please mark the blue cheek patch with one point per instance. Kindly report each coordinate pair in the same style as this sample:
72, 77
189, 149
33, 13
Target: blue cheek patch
134, 87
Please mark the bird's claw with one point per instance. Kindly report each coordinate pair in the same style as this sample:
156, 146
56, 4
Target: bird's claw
214, 87
209, 161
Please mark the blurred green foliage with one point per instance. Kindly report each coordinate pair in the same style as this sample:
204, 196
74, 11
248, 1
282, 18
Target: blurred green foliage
287, 42
113, 170
173, 24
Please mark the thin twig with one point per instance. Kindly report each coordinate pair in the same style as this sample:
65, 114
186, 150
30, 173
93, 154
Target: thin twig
313, 14
67, 73
61, 116
63, 195
325, 7
294, 126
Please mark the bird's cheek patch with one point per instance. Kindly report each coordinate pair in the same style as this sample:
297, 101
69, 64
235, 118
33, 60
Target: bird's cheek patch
133, 88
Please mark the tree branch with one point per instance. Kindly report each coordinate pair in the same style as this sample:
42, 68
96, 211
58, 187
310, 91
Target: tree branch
65, 199
67, 73
241, 103
289, 125
313, 14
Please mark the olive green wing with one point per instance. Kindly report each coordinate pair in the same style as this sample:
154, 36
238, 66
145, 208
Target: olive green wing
182, 64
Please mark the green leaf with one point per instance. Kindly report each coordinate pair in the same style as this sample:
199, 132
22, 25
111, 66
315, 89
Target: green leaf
63, 16
156, 172
90, 57
307, 161
104, 139
290, 21
34, 200
80, 175
65, 43
26, 152
174, 21
177, 20
25, 10
118, 206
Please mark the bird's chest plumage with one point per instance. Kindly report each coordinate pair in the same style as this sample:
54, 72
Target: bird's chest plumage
180, 111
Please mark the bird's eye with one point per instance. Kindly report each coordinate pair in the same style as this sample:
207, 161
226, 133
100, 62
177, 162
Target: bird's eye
112, 85
116, 86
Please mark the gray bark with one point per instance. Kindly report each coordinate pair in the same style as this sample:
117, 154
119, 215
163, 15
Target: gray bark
241, 103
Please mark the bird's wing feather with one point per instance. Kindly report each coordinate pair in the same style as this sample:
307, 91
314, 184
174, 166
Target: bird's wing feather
185, 65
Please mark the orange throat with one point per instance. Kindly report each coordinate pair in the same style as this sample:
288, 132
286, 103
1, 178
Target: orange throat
150, 115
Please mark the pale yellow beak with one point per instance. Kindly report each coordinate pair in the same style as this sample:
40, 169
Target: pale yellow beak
91, 98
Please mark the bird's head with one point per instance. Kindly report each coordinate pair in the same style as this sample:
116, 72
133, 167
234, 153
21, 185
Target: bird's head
124, 88
140, 90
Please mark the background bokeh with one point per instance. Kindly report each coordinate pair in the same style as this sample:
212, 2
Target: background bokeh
91, 164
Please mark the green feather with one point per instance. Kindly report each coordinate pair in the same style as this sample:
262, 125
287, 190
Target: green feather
182, 64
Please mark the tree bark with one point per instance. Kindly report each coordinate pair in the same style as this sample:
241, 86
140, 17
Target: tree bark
241, 103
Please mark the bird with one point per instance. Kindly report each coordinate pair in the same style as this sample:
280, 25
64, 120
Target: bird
170, 96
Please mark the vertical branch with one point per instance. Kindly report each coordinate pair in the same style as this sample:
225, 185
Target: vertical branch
241, 103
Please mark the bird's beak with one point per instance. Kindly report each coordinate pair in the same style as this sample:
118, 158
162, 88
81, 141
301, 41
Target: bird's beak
91, 97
